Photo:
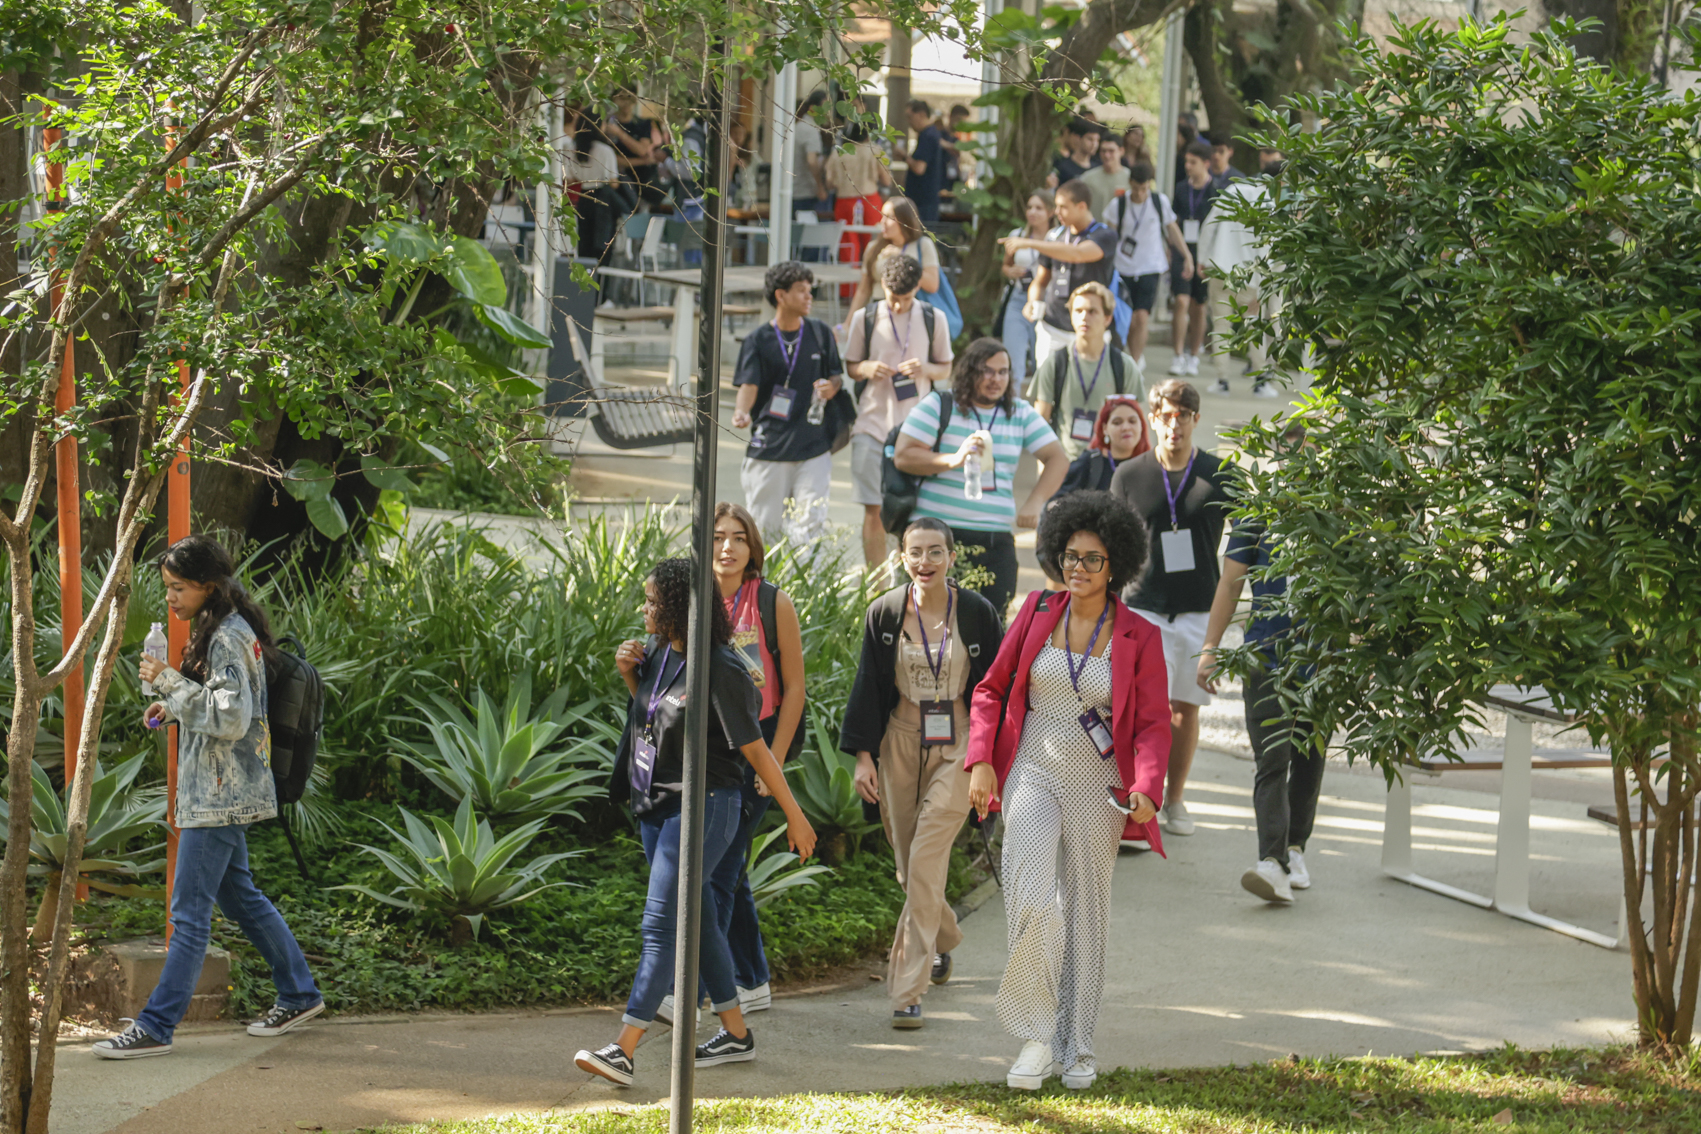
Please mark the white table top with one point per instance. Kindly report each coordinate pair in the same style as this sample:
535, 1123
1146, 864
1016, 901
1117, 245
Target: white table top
743, 279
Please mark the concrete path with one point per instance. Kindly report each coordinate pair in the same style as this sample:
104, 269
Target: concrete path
1200, 973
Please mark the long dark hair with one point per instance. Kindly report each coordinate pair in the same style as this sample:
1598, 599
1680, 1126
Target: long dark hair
904, 212
966, 374
202, 559
672, 580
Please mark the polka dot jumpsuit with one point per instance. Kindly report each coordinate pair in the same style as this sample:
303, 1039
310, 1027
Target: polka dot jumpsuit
1060, 842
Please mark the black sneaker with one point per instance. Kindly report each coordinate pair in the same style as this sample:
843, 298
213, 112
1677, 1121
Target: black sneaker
941, 968
724, 1047
907, 1018
280, 1019
610, 1062
131, 1043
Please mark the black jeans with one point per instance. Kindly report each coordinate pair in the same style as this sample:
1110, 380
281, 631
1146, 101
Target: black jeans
997, 555
1289, 772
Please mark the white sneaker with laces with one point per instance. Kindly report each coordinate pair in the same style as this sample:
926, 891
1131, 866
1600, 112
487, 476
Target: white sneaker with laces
1031, 1068
1178, 364
758, 999
1192, 366
1268, 881
1176, 819
1081, 1076
1298, 876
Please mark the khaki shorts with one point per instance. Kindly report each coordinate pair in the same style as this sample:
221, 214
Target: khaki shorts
866, 453
1184, 640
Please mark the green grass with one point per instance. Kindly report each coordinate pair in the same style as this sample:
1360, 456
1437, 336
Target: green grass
1570, 1090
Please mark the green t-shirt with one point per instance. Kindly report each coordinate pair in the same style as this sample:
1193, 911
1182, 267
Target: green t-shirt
1082, 391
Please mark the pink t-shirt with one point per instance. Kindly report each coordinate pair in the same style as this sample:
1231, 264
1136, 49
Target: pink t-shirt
879, 408
750, 642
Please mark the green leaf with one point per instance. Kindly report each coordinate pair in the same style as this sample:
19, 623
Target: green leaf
407, 245
511, 327
473, 272
309, 480
519, 385
327, 516
380, 474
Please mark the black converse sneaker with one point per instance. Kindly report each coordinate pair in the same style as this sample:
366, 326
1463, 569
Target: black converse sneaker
131, 1043
610, 1062
941, 968
279, 1019
724, 1047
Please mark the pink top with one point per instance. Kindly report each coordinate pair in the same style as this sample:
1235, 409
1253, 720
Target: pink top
750, 642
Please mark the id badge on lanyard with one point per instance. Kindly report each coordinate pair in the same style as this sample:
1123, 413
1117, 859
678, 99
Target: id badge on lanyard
1178, 549
938, 724
1081, 427
643, 760
1190, 231
749, 649
779, 405
904, 387
1093, 725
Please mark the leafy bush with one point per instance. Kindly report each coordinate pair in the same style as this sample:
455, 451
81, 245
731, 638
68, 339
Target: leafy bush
118, 813
776, 874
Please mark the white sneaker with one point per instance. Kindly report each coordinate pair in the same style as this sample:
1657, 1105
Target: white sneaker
1298, 876
1192, 365
1178, 364
758, 999
1265, 390
1176, 819
1081, 1076
1136, 844
665, 1012
1268, 881
1031, 1068
1221, 386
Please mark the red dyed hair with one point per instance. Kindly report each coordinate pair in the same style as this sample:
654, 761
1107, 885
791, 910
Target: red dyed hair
1098, 442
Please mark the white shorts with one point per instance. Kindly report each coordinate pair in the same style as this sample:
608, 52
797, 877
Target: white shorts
866, 453
1184, 640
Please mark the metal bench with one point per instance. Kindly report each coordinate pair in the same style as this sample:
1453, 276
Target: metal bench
630, 417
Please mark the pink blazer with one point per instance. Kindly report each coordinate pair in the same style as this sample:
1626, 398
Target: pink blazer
1139, 708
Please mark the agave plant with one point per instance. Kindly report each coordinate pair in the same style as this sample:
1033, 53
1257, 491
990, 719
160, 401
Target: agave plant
118, 812
774, 875
459, 871
822, 778
508, 761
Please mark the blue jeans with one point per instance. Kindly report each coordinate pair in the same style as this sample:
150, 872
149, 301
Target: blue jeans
731, 881
661, 910
212, 866
1018, 335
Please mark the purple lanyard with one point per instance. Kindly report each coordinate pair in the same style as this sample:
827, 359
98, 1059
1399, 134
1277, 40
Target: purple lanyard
991, 458
1069, 654
660, 688
944, 637
1086, 390
796, 352
736, 604
1174, 494
904, 344
1193, 196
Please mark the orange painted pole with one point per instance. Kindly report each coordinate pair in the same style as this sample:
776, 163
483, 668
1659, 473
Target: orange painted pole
70, 510
176, 632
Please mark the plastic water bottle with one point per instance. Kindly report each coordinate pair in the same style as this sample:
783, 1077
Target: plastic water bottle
817, 409
153, 646
971, 477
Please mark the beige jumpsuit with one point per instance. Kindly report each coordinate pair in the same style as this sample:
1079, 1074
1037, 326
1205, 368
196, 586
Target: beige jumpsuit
924, 798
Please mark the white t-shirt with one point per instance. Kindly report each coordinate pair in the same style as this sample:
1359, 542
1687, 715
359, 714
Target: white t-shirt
1142, 229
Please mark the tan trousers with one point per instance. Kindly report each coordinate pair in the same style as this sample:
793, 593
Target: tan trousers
924, 798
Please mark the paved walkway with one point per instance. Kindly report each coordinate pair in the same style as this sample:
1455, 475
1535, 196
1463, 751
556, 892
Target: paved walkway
1199, 974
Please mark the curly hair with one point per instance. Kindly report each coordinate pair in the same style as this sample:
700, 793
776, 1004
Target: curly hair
965, 376
1118, 527
673, 583
901, 274
783, 275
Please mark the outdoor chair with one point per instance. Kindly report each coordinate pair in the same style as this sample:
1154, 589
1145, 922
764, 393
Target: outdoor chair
633, 418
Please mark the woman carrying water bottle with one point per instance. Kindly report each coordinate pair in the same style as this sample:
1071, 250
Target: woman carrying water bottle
224, 784
970, 465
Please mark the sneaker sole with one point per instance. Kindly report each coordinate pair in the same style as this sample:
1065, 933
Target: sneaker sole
1297, 885
1256, 884
1080, 1082
762, 1005
949, 969
101, 1053
584, 1062
1184, 832
257, 1030
1130, 844
906, 1024
1024, 1082
726, 1057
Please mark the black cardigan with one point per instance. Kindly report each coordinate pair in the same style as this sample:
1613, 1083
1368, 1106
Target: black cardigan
874, 694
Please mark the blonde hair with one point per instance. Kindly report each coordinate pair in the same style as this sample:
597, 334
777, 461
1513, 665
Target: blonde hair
1098, 291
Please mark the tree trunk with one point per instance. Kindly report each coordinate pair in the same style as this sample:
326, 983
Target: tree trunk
14, 907
1222, 103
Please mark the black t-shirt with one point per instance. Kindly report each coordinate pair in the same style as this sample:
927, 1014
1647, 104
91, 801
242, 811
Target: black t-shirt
732, 725
923, 188
1202, 507
1066, 277
762, 363
639, 129
1191, 204
1068, 169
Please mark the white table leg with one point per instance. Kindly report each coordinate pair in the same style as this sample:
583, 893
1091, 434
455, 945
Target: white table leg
1397, 829
1512, 845
683, 365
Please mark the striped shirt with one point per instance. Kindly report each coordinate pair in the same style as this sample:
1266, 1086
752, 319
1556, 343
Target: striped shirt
941, 495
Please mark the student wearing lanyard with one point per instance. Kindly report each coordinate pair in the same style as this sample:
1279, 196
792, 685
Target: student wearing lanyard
1184, 495
1069, 389
1145, 228
783, 367
1080, 251
1193, 197
649, 774
925, 645
988, 421
1120, 434
766, 637
1074, 767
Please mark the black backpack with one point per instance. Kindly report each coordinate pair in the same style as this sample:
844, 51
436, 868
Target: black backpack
767, 608
295, 713
899, 490
928, 314
1058, 361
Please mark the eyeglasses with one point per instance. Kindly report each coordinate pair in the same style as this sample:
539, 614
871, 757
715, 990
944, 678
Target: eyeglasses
1172, 416
934, 555
989, 372
1092, 561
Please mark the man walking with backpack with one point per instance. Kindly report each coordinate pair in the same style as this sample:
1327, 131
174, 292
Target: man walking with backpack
1071, 385
1080, 251
1144, 223
895, 350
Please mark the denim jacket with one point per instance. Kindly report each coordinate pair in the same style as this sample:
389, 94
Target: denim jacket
224, 745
